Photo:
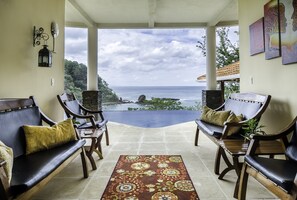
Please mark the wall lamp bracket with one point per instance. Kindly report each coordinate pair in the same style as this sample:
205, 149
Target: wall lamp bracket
39, 34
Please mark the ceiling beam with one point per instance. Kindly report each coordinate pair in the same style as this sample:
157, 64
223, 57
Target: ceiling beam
152, 5
87, 19
145, 25
227, 23
219, 16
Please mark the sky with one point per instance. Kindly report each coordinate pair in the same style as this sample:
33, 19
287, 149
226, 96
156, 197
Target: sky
143, 57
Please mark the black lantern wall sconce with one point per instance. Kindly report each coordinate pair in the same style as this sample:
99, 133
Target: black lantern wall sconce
45, 55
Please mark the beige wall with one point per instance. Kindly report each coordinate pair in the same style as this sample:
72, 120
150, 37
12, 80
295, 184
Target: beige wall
20, 75
270, 76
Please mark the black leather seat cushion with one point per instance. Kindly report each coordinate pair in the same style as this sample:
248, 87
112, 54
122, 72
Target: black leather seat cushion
215, 131
281, 172
31, 169
89, 124
210, 129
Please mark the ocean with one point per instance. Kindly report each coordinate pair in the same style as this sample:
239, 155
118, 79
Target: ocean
188, 95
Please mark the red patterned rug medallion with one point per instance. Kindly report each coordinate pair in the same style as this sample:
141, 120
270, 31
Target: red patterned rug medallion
147, 177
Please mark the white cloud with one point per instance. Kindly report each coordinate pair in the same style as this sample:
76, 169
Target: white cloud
142, 56
76, 44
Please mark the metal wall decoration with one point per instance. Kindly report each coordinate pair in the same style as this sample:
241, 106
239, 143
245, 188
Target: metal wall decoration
272, 29
288, 27
257, 37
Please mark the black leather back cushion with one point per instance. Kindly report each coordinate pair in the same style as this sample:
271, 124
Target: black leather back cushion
248, 109
74, 107
11, 131
291, 151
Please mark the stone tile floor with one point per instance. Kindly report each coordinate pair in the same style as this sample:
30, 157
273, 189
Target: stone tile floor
129, 140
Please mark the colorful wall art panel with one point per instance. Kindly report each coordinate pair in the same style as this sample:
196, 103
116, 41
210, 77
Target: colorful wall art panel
288, 27
271, 30
257, 37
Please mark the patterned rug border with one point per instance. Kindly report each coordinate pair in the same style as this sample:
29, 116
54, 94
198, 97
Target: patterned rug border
170, 186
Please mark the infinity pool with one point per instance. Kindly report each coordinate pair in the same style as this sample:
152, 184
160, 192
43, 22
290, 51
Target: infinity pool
152, 119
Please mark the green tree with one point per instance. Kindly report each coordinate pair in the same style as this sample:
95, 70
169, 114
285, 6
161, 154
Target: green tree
108, 95
160, 104
76, 82
226, 54
75, 78
226, 51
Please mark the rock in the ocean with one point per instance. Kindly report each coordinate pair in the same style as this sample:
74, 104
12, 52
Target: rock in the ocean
141, 98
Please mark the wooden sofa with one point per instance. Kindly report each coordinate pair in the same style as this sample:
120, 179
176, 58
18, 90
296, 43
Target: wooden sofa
278, 175
31, 172
250, 105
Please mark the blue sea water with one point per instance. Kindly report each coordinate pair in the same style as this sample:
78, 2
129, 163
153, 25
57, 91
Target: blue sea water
188, 95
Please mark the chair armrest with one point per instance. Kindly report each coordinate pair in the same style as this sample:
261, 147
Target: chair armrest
279, 135
45, 118
83, 116
76, 133
228, 125
100, 112
90, 117
90, 111
77, 115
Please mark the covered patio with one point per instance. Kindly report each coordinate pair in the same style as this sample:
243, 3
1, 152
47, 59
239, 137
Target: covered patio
21, 77
131, 140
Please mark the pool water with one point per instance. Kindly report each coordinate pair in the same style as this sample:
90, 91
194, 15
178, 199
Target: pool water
152, 119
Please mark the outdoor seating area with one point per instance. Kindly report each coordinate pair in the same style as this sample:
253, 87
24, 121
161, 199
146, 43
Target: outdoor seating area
239, 161
130, 140
61, 149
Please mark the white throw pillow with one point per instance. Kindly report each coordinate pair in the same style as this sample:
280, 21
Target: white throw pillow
6, 154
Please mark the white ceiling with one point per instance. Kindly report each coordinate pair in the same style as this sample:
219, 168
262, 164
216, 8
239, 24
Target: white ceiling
151, 13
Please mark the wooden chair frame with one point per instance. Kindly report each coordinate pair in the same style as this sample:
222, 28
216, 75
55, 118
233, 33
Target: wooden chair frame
15, 104
245, 97
87, 113
269, 184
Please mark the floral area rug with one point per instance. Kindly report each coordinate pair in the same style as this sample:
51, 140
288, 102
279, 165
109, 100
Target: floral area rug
150, 177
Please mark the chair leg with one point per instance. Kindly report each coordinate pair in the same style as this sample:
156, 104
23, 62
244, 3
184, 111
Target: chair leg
196, 136
217, 161
106, 136
84, 163
243, 183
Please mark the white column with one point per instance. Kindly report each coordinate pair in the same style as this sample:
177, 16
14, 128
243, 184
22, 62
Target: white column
92, 58
211, 82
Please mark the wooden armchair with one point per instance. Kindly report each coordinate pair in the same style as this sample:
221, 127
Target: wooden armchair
250, 105
84, 117
277, 175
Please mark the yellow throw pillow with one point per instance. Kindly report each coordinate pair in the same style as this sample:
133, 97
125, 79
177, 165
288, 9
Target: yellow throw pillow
233, 118
214, 117
6, 154
40, 138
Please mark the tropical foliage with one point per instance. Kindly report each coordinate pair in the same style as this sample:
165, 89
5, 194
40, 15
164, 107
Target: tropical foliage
251, 128
76, 82
226, 53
